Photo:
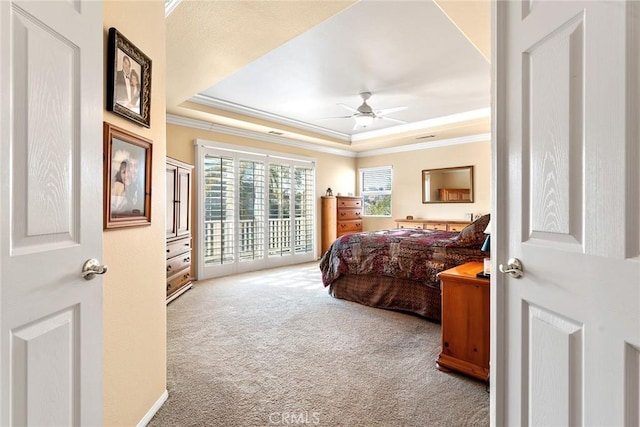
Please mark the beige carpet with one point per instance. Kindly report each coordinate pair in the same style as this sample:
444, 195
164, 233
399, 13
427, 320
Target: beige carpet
274, 348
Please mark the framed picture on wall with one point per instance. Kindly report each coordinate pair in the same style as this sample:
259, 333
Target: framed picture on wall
128, 79
127, 178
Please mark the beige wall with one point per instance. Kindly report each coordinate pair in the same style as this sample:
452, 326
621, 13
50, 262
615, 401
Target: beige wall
407, 182
134, 290
341, 173
337, 172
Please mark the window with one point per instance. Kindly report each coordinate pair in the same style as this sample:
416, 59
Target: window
376, 190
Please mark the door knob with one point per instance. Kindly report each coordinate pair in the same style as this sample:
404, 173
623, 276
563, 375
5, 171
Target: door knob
92, 267
513, 267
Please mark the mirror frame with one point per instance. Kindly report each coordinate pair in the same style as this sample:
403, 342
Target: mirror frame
471, 189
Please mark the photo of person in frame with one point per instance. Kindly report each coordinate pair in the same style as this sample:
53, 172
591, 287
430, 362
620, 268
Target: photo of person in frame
127, 184
127, 84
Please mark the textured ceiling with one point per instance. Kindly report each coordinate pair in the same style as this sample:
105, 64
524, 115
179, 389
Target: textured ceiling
285, 66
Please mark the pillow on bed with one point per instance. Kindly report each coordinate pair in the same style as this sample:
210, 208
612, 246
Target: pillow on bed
473, 234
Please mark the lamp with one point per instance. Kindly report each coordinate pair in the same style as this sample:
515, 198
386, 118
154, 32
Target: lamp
486, 246
364, 120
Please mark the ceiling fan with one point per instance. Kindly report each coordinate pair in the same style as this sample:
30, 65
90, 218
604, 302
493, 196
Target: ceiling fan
364, 115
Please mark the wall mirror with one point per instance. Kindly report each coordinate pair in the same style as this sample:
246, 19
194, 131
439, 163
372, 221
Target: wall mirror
448, 185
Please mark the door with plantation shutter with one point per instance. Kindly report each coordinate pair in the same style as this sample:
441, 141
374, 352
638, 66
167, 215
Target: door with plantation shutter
256, 210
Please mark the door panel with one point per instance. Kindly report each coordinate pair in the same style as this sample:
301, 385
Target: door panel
170, 209
632, 364
553, 148
51, 55
39, 377
184, 189
44, 145
564, 336
555, 368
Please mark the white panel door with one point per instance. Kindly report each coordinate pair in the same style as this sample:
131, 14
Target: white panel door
50, 212
566, 335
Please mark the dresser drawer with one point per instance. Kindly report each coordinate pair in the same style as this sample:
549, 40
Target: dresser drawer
349, 203
409, 225
349, 226
178, 263
178, 280
436, 226
349, 214
457, 226
178, 247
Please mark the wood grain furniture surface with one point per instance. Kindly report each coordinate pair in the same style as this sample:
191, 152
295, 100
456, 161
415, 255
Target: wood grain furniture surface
432, 224
328, 222
455, 194
348, 215
465, 321
178, 233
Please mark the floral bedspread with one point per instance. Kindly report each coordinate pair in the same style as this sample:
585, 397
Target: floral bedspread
414, 254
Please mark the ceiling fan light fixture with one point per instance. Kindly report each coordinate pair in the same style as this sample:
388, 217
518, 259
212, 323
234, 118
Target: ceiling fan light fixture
364, 120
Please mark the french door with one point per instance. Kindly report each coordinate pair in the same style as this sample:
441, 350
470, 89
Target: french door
255, 210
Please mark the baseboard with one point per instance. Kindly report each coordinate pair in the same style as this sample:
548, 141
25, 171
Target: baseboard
147, 417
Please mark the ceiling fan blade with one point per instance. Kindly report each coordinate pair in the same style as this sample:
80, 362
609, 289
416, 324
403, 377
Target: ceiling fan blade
391, 119
390, 110
348, 108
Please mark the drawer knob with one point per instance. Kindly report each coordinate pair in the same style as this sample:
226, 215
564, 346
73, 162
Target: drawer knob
187, 259
168, 267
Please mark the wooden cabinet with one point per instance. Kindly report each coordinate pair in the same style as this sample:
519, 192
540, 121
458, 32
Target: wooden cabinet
348, 215
455, 194
328, 222
444, 225
465, 321
178, 232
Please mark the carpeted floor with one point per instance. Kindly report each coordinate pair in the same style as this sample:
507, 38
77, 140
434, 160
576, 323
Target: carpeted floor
274, 348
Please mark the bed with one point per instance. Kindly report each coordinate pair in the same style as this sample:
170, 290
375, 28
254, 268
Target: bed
397, 269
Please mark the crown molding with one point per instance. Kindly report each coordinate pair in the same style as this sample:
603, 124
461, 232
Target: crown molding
425, 124
243, 133
263, 115
426, 145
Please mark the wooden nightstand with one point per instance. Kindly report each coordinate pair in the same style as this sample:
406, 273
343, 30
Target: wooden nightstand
465, 321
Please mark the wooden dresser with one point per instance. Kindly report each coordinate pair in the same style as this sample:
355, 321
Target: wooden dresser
328, 224
178, 215
429, 224
465, 321
455, 194
348, 215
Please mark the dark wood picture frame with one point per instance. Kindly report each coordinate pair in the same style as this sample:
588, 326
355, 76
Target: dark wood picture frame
125, 64
127, 178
